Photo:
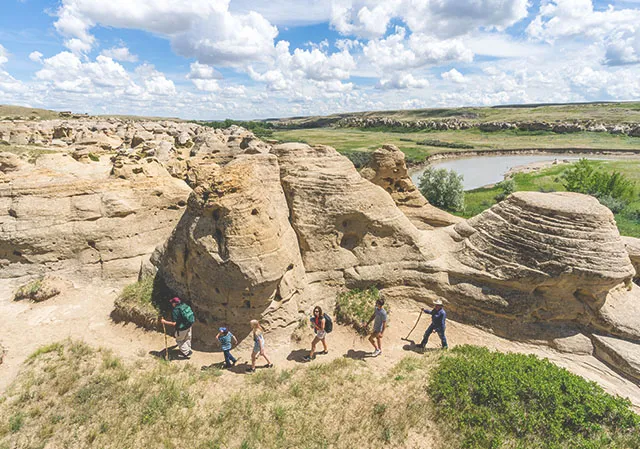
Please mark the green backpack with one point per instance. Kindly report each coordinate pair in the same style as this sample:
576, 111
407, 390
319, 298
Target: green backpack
187, 315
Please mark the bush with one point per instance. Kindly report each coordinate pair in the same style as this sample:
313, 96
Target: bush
615, 205
508, 186
355, 307
358, 158
139, 303
493, 399
260, 129
584, 177
442, 144
38, 290
443, 188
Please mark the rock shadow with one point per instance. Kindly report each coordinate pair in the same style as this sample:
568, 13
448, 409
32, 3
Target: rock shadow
297, 355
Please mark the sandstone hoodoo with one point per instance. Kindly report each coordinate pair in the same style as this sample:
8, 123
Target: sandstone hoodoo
388, 169
234, 254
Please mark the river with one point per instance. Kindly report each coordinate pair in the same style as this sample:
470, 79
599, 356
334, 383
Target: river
479, 171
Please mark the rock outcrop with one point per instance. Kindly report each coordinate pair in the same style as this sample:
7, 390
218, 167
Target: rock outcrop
629, 129
66, 215
388, 169
242, 230
622, 355
234, 254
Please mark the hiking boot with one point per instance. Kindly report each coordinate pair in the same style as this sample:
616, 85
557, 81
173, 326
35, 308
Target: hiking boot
270, 365
306, 358
251, 370
376, 353
324, 352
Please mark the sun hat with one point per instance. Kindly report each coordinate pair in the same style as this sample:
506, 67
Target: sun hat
175, 300
437, 302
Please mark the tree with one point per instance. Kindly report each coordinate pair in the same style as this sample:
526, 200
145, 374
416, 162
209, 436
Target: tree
443, 188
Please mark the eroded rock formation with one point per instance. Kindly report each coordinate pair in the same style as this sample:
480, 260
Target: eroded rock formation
388, 169
246, 230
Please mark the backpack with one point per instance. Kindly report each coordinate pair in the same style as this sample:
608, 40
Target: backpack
328, 324
187, 315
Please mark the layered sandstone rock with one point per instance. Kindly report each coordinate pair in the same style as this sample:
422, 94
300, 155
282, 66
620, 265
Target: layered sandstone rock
388, 169
65, 215
622, 355
544, 257
234, 254
343, 222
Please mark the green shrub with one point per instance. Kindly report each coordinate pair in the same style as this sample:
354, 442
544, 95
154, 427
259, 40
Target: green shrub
94, 157
139, 303
614, 204
492, 400
585, 177
260, 129
358, 158
355, 307
443, 188
508, 186
443, 144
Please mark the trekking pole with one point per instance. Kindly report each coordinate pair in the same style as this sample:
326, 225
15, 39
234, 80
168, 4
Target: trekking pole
414, 326
166, 346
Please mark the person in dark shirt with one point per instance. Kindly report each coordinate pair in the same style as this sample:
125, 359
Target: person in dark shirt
438, 324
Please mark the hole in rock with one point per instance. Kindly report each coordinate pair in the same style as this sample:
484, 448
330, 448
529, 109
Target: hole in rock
349, 241
247, 304
254, 212
217, 290
290, 267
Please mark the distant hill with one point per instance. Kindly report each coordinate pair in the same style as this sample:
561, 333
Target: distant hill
10, 112
627, 112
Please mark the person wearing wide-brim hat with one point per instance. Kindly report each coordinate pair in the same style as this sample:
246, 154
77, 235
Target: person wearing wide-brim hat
438, 324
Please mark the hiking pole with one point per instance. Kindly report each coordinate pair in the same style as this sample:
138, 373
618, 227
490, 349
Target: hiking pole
414, 326
166, 346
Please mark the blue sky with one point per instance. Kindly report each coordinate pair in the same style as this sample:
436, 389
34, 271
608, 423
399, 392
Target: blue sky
216, 59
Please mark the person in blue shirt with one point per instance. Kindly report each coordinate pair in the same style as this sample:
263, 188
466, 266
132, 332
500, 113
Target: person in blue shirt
438, 324
225, 337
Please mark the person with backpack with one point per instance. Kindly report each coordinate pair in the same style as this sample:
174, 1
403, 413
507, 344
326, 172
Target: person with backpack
379, 318
438, 324
258, 346
183, 320
225, 337
322, 325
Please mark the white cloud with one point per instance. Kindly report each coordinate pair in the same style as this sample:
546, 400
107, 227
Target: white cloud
4, 55
120, 54
441, 18
202, 72
455, 76
402, 81
154, 81
617, 30
36, 56
396, 52
203, 29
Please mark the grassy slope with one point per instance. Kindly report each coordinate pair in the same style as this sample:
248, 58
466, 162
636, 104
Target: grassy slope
73, 396
10, 112
605, 112
550, 180
70, 395
360, 140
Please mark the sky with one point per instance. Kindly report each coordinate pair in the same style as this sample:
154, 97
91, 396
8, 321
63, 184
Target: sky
250, 59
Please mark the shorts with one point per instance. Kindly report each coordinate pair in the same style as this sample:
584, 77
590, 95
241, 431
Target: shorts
256, 346
320, 335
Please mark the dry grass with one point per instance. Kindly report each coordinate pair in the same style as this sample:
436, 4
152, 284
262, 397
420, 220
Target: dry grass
70, 395
39, 289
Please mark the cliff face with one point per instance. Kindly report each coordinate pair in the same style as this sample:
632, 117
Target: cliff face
248, 230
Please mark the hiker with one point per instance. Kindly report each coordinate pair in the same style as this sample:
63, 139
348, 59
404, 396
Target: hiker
258, 346
225, 337
438, 324
379, 319
318, 322
183, 319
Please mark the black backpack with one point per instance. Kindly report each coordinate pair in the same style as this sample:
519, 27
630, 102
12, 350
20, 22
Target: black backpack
328, 324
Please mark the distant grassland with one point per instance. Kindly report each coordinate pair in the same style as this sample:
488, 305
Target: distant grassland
601, 112
346, 139
550, 180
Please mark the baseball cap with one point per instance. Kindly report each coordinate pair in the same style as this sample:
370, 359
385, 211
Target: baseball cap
222, 329
175, 300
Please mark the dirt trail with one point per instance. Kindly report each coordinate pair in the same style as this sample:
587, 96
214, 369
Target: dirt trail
83, 313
